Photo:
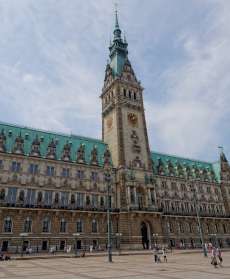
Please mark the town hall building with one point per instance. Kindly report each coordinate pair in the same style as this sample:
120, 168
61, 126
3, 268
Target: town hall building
55, 188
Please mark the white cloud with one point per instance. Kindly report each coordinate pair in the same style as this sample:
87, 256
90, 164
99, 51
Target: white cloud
197, 91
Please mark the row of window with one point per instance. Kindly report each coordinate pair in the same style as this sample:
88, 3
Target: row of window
31, 197
190, 207
126, 93
188, 227
50, 171
184, 188
46, 225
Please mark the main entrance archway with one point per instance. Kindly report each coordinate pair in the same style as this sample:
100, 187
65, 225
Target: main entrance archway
145, 235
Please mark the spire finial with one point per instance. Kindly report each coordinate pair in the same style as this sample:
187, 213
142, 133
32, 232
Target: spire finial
116, 16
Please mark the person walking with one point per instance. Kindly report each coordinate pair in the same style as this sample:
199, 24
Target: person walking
155, 253
213, 256
164, 255
219, 256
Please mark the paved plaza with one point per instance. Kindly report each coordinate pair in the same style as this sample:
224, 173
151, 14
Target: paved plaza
180, 265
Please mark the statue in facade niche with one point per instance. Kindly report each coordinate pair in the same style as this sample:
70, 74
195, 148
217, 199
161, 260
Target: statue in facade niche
160, 167
94, 158
51, 151
107, 156
2, 141
170, 168
35, 149
66, 152
18, 147
81, 154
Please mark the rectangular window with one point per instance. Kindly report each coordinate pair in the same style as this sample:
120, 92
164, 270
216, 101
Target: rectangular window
94, 200
64, 199
80, 174
94, 176
1, 164
48, 198
30, 197
33, 168
16, 166
11, 196
79, 226
65, 172
80, 199
132, 196
50, 171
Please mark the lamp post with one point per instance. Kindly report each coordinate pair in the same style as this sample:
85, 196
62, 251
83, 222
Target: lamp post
108, 181
23, 234
76, 236
199, 222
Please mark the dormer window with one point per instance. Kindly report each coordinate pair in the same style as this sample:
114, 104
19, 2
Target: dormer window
2, 141
81, 154
18, 147
51, 151
35, 148
94, 156
66, 152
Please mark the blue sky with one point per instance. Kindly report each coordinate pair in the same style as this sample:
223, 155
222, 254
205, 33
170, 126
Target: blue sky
53, 56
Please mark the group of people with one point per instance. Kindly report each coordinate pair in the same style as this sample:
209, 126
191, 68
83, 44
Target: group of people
216, 256
157, 252
4, 256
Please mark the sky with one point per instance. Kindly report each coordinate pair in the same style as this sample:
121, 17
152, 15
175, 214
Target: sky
53, 55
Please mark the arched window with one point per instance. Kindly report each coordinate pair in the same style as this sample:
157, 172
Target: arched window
7, 225
21, 196
63, 225
79, 226
134, 95
94, 226
27, 225
130, 94
39, 199
2, 194
124, 92
46, 225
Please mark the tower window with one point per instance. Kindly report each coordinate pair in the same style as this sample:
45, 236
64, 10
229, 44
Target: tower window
134, 95
124, 92
130, 94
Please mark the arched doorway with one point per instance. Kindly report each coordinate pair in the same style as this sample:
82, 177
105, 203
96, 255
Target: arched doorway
145, 235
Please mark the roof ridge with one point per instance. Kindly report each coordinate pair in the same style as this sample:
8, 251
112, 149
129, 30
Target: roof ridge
170, 155
52, 132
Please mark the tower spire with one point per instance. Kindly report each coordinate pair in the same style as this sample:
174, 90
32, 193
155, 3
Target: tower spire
116, 17
117, 31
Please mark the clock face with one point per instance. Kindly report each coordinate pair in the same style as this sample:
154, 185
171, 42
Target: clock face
132, 119
109, 122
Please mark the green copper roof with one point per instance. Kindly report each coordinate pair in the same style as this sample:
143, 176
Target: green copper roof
28, 135
169, 165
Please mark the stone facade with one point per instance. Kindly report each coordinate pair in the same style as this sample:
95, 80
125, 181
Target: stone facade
55, 188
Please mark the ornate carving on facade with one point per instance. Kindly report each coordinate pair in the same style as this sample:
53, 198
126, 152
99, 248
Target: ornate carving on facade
136, 148
51, 151
107, 157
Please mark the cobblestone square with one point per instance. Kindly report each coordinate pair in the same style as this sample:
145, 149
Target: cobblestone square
180, 265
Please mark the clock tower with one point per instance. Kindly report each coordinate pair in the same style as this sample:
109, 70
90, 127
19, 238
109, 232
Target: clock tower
123, 117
